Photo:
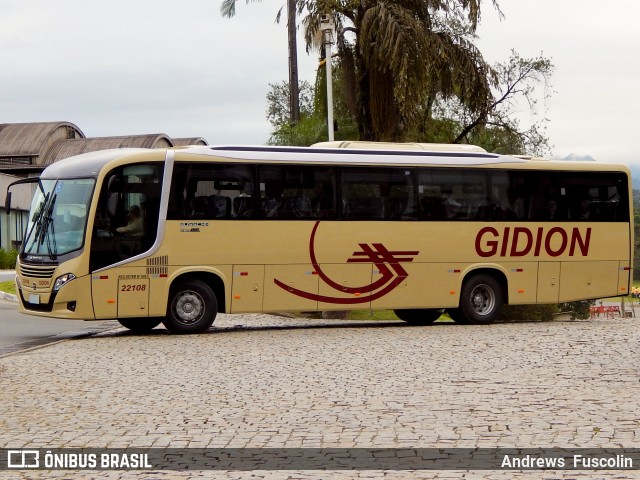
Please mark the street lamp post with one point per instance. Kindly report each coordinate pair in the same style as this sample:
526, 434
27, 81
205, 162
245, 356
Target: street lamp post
328, 29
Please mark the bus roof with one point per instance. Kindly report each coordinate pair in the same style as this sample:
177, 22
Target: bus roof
87, 164
352, 156
431, 147
90, 164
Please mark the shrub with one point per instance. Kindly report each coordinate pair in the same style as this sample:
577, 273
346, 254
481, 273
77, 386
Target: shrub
8, 258
537, 313
578, 309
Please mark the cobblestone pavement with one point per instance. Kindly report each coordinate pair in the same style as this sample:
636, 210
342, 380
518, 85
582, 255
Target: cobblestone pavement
267, 381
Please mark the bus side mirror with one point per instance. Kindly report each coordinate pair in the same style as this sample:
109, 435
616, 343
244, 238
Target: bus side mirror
7, 203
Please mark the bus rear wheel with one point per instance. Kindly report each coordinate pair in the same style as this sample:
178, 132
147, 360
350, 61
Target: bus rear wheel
192, 307
140, 325
480, 300
419, 316
457, 316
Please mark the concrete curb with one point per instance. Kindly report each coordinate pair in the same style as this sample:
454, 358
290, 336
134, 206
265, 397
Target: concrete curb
9, 297
8, 275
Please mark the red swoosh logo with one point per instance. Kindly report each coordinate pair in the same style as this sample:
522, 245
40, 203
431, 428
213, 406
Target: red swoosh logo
375, 253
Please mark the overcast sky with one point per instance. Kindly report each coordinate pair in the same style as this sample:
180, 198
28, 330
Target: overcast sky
177, 67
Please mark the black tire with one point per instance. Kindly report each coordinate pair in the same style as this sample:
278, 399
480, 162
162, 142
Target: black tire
481, 299
140, 325
457, 316
192, 308
419, 316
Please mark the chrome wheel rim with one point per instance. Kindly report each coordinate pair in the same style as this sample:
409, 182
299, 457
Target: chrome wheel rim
483, 299
188, 307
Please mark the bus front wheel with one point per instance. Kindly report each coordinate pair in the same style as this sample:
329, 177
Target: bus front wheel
480, 300
140, 325
419, 316
192, 308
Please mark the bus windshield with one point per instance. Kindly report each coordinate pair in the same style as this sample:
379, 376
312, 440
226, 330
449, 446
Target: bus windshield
58, 216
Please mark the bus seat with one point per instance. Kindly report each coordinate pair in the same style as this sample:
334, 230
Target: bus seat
393, 208
364, 207
199, 207
242, 207
219, 206
272, 201
432, 208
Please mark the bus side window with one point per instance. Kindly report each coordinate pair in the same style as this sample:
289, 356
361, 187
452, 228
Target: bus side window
297, 192
211, 191
596, 198
453, 194
371, 193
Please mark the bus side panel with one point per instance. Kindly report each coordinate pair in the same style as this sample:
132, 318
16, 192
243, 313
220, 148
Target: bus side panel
427, 285
522, 280
133, 297
247, 288
548, 282
582, 280
104, 290
624, 273
286, 288
352, 281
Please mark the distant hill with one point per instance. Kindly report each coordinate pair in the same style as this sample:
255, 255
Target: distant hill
574, 157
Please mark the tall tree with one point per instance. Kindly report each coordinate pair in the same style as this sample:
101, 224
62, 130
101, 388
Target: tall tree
512, 121
399, 53
228, 9
521, 82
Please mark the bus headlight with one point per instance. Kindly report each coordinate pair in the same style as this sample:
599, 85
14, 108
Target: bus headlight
63, 280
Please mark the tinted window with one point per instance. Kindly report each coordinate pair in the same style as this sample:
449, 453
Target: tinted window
595, 197
295, 192
206, 191
127, 215
378, 194
513, 195
453, 194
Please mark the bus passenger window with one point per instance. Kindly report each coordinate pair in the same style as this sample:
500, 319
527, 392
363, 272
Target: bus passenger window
378, 194
452, 194
296, 192
211, 191
597, 197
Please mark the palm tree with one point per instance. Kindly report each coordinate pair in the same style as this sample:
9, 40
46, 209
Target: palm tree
228, 9
398, 55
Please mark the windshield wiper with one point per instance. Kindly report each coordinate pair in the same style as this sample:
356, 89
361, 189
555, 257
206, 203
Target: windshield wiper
47, 221
37, 223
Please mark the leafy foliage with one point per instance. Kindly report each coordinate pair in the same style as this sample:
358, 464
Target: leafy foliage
8, 258
397, 54
312, 127
579, 309
496, 123
536, 313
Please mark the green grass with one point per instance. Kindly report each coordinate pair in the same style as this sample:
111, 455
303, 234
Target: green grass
8, 287
372, 315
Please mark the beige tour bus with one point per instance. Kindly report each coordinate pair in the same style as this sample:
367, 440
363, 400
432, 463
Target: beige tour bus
178, 235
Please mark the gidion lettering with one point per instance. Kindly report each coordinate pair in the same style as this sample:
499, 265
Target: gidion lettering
521, 241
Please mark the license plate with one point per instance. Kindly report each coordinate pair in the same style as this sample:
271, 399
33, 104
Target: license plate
34, 298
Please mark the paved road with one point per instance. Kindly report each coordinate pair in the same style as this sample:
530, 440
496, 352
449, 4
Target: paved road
6, 275
18, 328
262, 381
